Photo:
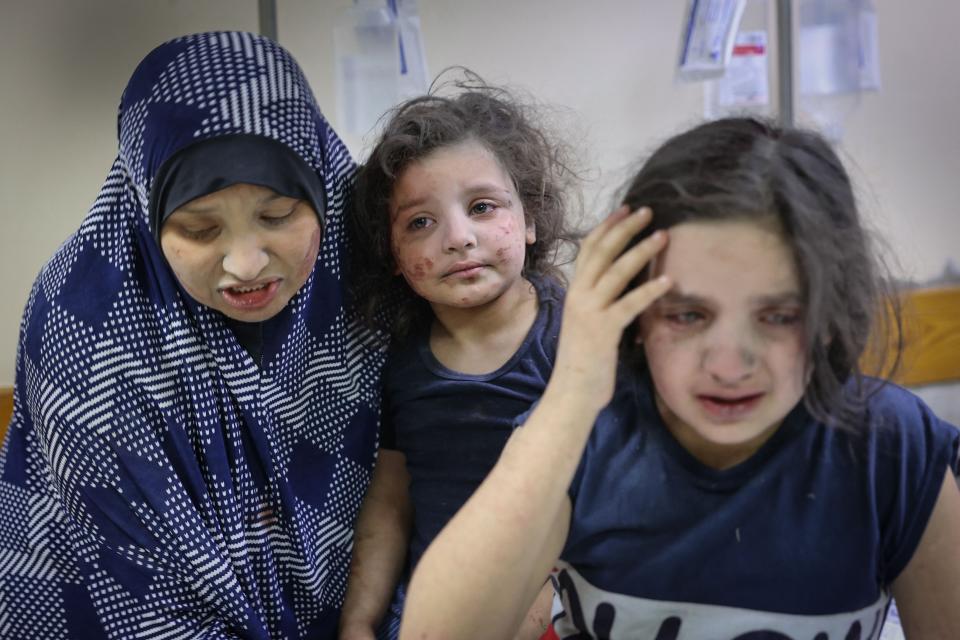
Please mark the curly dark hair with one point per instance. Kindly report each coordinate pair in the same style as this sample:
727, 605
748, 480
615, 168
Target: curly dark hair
750, 169
453, 112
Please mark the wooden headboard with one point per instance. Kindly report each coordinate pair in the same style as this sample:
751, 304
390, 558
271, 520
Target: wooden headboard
931, 337
6, 409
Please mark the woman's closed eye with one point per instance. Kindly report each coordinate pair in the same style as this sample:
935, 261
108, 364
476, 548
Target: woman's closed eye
279, 216
200, 234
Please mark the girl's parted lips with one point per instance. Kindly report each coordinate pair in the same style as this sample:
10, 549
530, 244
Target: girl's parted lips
460, 267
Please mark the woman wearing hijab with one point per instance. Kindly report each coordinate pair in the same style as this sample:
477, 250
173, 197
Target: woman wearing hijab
195, 405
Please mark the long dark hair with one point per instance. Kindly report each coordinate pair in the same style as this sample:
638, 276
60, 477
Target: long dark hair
454, 112
749, 169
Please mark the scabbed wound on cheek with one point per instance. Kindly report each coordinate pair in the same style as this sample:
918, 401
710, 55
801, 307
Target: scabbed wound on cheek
419, 269
503, 239
507, 254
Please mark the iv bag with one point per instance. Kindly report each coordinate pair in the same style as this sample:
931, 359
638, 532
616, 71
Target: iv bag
367, 53
837, 61
709, 29
414, 79
744, 87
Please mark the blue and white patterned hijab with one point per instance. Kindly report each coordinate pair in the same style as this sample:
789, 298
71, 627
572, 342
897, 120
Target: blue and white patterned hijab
157, 483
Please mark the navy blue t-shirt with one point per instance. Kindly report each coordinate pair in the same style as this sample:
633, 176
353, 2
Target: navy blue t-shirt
802, 540
452, 426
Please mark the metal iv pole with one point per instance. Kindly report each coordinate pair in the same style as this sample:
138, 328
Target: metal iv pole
268, 19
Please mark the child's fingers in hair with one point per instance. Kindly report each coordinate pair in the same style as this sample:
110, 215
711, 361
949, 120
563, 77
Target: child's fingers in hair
626, 267
606, 242
637, 300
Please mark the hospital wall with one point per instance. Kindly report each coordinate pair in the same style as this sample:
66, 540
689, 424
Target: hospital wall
606, 66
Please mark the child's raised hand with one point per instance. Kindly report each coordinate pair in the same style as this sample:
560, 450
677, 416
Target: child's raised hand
595, 313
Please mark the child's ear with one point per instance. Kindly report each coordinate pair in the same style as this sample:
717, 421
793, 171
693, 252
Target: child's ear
531, 234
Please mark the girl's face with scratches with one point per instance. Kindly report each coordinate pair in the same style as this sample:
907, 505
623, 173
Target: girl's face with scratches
725, 345
458, 231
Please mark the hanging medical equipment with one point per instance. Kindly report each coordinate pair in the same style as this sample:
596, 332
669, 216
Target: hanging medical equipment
832, 44
379, 59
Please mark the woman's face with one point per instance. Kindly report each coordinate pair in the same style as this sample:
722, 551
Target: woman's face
244, 250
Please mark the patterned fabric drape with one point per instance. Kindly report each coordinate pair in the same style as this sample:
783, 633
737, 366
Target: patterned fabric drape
156, 482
